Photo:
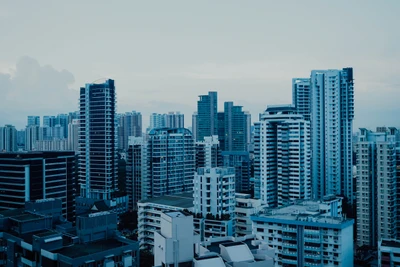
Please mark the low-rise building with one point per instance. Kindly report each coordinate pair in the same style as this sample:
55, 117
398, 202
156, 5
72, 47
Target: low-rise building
39, 236
245, 207
388, 253
306, 234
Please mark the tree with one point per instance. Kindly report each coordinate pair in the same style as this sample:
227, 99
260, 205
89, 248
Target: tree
146, 258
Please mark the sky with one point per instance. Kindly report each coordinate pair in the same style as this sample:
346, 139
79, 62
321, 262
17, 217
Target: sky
163, 54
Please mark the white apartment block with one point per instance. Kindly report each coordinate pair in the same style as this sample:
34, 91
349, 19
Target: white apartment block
301, 95
376, 186
245, 207
305, 235
174, 244
332, 113
214, 191
174, 120
388, 253
282, 156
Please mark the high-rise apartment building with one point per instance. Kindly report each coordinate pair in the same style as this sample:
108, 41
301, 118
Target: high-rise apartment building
208, 153
214, 191
301, 95
63, 120
207, 116
282, 156
33, 121
98, 158
157, 121
236, 128
49, 121
137, 180
174, 120
194, 125
240, 160
38, 175
171, 161
376, 193
130, 124
332, 113
31, 136
221, 130
21, 139
73, 135
8, 139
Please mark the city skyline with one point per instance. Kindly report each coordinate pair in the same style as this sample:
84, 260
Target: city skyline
162, 65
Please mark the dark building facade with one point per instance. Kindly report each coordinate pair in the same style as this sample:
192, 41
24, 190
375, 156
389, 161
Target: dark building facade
38, 175
242, 163
207, 116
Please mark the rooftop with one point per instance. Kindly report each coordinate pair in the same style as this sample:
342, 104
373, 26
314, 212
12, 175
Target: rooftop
81, 250
184, 200
27, 217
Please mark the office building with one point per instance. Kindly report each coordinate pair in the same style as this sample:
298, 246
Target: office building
36, 236
376, 192
174, 120
308, 233
73, 136
301, 95
33, 121
171, 161
27, 176
98, 158
8, 138
208, 153
207, 116
332, 113
236, 128
282, 156
245, 207
129, 124
388, 253
240, 160
174, 244
137, 180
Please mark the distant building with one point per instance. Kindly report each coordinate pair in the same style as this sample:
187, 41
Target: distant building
174, 120
38, 175
171, 161
240, 160
236, 128
129, 124
207, 120
8, 139
194, 126
31, 136
73, 135
33, 121
302, 96
52, 145
157, 121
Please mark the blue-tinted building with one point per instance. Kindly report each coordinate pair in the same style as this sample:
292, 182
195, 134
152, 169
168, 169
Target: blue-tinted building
207, 116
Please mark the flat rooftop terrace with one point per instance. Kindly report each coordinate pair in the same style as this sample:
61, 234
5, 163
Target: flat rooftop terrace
81, 250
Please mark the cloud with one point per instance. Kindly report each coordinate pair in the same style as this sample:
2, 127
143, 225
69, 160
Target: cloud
33, 89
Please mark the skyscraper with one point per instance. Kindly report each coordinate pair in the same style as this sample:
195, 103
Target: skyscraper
49, 121
376, 194
98, 168
194, 126
8, 139
156, 121
129, 124
332, 113
73, 135
62, 120
235, 128
207, 116
282, 156
301, 95
171, 161
31, 136
174, 120
33, 120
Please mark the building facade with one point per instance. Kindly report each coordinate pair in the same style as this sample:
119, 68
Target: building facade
240, 160
376, 193
301, 95
282, 156
207, 116
236, 128
98, 157
8, 139
38, 175
208, 153
171, 161
129, 124
174, 120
